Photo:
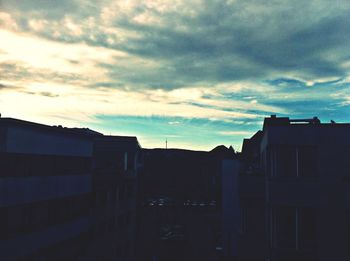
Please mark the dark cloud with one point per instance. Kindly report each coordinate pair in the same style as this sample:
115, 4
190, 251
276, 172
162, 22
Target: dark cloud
49, 5
252, 58
6, 87
106, 85
11, 71
209, 42
219, 46
48, 94
287, 83
50, 9
24, 90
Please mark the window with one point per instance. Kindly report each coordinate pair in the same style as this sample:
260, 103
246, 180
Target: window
117, 194
3, 223
307, 228
15, 220
285, 161
294, 228
348, 230
243, 227
125, 161
129, 191
307, 161
131, 162
292, 161
285, 227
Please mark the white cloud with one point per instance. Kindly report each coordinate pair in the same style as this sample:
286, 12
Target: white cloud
236, 133
174, 122
7, 21
81, 104
44, 54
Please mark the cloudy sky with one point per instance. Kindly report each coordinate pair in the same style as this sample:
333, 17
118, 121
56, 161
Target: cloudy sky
199, 73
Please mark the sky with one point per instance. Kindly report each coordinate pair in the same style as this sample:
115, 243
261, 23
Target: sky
197, 73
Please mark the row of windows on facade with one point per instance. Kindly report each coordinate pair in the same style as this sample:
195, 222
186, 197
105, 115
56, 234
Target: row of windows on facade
115, 222
70, 249
293, 228
291, 161
111, 197
290, 227
28, 218
14, 164
116, 161
77, 248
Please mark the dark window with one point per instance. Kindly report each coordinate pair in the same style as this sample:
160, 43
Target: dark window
307, 227
22, 165
348, 230
243, 220
307, 161
285, 161
295, 228
130, 161
3, 223
15, 220
285, 227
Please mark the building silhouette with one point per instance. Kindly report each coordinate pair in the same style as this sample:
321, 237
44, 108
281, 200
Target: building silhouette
45, 191
76, 194
66, 193
180, 196
293, 192
116, 164
307, 168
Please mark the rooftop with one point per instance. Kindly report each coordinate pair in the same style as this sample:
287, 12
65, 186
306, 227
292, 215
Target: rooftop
11, 122
273, 120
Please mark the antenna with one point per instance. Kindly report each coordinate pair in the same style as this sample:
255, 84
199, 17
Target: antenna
166, 143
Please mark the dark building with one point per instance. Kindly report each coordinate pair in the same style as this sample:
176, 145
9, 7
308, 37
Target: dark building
180, 174
244, 222
252, 233
45, 192
117, 161
180, 192
293, 192
307, 190
75, 194
66, 193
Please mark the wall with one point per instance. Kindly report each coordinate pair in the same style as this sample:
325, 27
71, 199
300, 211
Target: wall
230, 207
25, 140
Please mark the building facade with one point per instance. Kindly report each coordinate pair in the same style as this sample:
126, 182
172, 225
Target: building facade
180, 217
66, 193
45, 192
307, 171
293, 192
244, 222
116, 164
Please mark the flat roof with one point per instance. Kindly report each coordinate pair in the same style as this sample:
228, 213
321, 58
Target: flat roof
311, 122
